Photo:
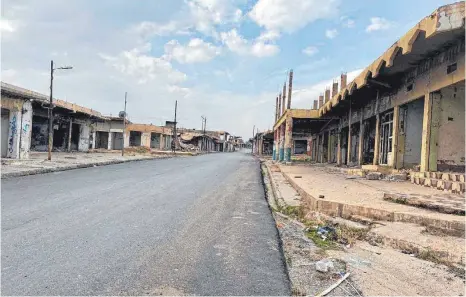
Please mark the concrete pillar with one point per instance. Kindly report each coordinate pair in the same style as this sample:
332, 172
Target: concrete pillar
321, 101
279, 105
162, 141
348, 150
430, 125
282, 142
339, 147
26, 130
274, 151
284, 99
70, 128
334, 88
94, 134
377, 140
110, 140
276, 110
315, 106
396, 116
317, 145
13, 134
361, 142
83, 145
327, 95
329, 146
288, 137
321, 148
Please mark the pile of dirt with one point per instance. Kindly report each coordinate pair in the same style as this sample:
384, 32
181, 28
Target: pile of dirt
138, 150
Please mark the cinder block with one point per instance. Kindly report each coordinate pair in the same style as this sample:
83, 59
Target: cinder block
447, 185
428, 182
421, 181
454, 177
416, 180
433, 182
440, 184
462, 178
445, 176
438, 175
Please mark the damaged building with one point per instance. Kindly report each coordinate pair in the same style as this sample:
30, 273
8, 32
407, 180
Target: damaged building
404, 111
25, 123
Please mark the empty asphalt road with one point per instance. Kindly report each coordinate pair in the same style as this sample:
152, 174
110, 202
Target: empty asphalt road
197, 225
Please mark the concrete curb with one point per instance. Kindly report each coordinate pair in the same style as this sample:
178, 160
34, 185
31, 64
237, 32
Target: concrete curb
347, 211
278, 199
74, 166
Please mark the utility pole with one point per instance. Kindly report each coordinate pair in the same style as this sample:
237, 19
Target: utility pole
124, 127
50, 113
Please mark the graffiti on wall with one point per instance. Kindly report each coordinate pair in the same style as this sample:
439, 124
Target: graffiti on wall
12, 134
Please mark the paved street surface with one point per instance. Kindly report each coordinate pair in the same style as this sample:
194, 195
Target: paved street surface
195, 225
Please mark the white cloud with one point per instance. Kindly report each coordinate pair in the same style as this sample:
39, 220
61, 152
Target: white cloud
378, 24
310, 50
261, 49
207, 14
196, 51
347, 22
269, 36
138, 64
291, 15
6, 26
331, 33
238, 44
147, 29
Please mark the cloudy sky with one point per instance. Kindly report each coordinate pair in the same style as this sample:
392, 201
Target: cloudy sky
224, 59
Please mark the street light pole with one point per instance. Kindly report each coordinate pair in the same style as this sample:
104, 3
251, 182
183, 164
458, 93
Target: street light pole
124, 127
50, 112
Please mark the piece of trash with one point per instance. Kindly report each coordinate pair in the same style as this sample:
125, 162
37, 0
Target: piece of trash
298, 176
327, 232
279, 225
94, 165
324, 265
321, 196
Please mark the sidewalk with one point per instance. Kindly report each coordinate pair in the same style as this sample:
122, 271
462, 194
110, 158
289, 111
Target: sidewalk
392, 258
38, 163
337, 195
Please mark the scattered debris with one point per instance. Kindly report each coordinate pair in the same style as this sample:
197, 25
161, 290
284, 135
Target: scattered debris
324, 265
329, 289
321, 196
327, 232
374, 176
298, 176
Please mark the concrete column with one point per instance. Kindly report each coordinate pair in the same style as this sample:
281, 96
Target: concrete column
69, 134
430, 125
339, 146
162, 142
377, 140
317, 145
396, 116
13, 134
83, 145
348, 150
94, 135
110, 140
321, 148
361, 142
288, 137
329, 146
282, 142
26, 130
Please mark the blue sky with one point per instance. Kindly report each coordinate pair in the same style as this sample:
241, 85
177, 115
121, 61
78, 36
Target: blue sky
224, 59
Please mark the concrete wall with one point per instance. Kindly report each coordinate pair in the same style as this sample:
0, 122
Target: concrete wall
19, 127
413, 133
451, 138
